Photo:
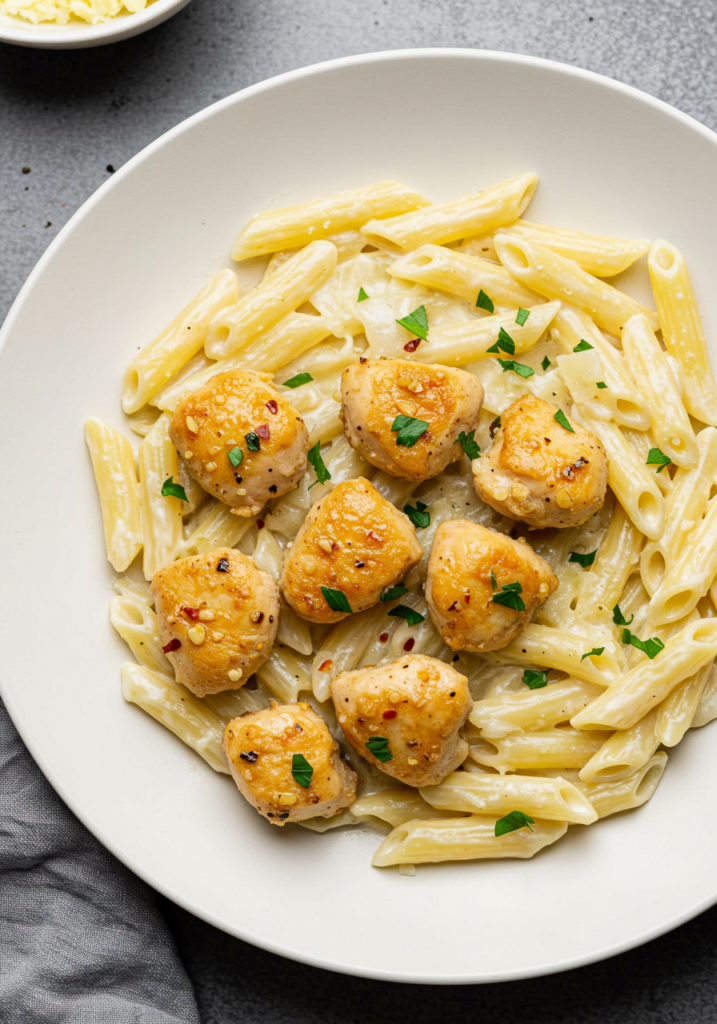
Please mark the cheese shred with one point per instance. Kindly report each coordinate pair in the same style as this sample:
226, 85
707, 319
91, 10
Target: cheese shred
63, 12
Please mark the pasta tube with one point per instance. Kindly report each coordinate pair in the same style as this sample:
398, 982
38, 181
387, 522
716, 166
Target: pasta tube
682, 329
291, 227
614, 795
461, 343
137, 624
600, 256
677, 712
253, 315
479, 793
218, 529
557, 278
342, 649
116, 479
562, 747
625, 752
692, 573
163, 357
532, 709
645, 685
560, 649
285, 674
447, 222
397, 806
617, 556
161, 516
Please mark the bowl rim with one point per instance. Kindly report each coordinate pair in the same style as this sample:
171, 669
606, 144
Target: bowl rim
324, 67
75, 36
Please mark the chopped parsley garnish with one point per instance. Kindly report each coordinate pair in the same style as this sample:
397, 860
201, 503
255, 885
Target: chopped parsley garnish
512, 822
651, 647
534, 679
619, 619
298, 380
597, 651
655, 457
361, 295
336, 600
418, 515
416, 322
509, 596
601, 384
409, 429
378, 745
301, 770
393, 593
468, 443
562, 419
494, 581
314, 457
545, 363
235, 456
402, 611
172, 490
504, 343
584, 560
520, 368
583, 346
252, 441
485, 302
522, 316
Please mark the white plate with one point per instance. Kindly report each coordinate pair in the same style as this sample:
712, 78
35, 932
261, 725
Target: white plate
78, 35
611, 160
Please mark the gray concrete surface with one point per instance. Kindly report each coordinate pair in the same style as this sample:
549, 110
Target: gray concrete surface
71, 117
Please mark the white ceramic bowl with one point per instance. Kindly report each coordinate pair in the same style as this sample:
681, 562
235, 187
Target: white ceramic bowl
78, 35
611, 160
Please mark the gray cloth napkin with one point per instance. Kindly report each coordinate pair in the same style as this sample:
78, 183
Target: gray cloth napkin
81, 938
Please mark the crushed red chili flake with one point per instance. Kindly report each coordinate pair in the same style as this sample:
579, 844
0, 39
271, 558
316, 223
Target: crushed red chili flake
467, 599
412, 345
263, 431
408, 646
272, 407
191, 613
391, 713
173, 645
383, 638
326, 666
260, 524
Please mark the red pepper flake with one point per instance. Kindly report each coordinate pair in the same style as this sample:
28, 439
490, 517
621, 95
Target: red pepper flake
260, 524
326, 666
263, 431
412, 345
173, 645
383, 638
191, 613
272, 407
467, 599
408, 646
391, 713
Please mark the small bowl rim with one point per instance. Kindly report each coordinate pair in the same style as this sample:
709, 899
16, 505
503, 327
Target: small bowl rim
79, 35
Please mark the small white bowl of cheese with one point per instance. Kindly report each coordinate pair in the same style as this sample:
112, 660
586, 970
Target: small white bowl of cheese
75, 24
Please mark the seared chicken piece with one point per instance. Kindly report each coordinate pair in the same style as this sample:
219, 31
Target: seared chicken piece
218, 616
461, 592
239, 414
375, 391
353, 541
264, 746
405, 718
539, 472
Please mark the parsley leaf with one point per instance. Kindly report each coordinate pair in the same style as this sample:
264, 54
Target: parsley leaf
409, 429
562, 419
416, 322
314, 457
172, 490
336, 600
493, 580
393, 592
235, 456
298, 380
485, 302
657, 458
520, 368
535, 680
468, 443
362, 295
252, 441
522, 316
512, 822
418, 515
601, 384
402, 611
651, 647
378, 745
509, 597
545, 363
583, 346
619, 619
596, 651
504, 343
301, 770
584, 560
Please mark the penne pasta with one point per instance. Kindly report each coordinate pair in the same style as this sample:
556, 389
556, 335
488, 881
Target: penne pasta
617, 556
692, 573
342, 649
480, 793
284, 674
531, 709
559, 649
217, 529
625, 752
596, 254
562, 747
461, 343
116, 479
614, 795
161, 515
397, 806
137, 624
677, 712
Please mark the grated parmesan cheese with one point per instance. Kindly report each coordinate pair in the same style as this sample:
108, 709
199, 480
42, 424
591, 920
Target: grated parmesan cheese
62, 12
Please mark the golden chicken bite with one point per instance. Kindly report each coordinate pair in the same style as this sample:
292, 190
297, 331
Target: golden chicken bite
460, 591
539, 472
353, 541
239, 413
405, 718
287, 764
375, 391
218, 616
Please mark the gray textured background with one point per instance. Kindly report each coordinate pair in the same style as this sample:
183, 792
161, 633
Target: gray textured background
70, 116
